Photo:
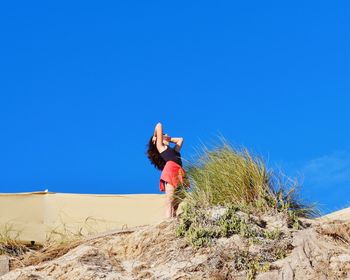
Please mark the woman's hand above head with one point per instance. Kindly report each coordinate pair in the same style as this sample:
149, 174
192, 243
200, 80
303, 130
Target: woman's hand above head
158, 133
166, 137
178, 143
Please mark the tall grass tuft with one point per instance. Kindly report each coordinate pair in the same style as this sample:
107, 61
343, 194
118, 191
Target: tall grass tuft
224, 176
9, 242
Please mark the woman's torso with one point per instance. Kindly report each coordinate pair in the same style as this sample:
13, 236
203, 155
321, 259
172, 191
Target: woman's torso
170, 154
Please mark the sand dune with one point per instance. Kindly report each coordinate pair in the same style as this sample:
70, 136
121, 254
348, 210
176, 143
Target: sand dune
342, 215
42, 215
39, 216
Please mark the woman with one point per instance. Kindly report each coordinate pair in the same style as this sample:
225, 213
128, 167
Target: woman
168, 160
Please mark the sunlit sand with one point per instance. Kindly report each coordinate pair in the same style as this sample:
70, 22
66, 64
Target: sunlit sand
42, 215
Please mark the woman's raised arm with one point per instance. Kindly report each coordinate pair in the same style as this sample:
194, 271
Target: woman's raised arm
178, 143
158, 133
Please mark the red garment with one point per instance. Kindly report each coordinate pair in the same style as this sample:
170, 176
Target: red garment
173, 174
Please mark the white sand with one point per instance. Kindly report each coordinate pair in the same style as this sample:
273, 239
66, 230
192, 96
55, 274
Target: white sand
343, 215
38, 216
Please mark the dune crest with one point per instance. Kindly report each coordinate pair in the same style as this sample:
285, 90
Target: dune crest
343, 215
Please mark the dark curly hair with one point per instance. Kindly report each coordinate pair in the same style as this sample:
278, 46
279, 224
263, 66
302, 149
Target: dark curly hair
154, 156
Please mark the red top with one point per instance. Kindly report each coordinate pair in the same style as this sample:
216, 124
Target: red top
173, 174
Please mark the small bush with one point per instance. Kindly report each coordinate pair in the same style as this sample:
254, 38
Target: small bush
9, 243
338, 230
252, 264
199, 229
227, 176
273, 234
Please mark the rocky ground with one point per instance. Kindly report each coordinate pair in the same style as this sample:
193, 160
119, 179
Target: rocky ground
319, 250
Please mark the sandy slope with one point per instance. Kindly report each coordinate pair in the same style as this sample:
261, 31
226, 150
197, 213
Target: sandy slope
40, 216
320, 251
343, 215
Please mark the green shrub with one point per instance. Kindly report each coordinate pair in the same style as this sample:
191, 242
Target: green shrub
227, 176
273, 234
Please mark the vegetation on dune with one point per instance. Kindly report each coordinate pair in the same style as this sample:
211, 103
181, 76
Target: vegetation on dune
230, 190
9, 243
30, 253
227, 176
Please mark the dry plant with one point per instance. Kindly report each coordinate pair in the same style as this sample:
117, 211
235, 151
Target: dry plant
48, 252
63, 233
9, 243
338, 230
59, 241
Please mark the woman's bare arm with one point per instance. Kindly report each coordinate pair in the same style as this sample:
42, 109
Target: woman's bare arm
158, 133
178, 141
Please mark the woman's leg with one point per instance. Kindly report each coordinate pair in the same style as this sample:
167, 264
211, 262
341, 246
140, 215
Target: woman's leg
176, 201
169, 205
179, 195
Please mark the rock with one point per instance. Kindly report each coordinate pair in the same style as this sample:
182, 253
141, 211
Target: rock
4, 264
215, 213
271, 275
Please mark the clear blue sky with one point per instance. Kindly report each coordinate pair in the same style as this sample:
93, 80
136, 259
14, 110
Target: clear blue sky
82, 85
